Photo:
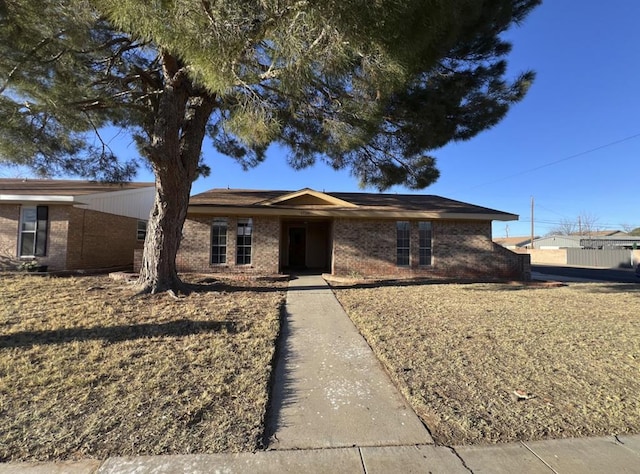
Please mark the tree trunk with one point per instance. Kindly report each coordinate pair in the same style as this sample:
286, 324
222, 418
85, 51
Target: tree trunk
158, 271
174, 153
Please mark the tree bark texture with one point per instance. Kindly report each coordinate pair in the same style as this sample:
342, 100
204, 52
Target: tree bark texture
174, 152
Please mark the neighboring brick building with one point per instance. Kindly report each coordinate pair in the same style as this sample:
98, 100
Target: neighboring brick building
357, 234
72, 225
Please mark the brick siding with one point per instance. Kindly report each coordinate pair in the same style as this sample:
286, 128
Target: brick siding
366, 247
194, 254
56, 249
9, 222
362, 247
76, 238
465, 249
100, 240
459, 248
57, 233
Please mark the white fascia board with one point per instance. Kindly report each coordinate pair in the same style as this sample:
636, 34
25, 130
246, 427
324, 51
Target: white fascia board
33, 198
346, 213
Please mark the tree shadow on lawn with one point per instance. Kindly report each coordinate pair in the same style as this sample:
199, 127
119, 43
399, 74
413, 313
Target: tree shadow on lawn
583, 287
213, 285
633, 288
517, 286
113, 334
423, 282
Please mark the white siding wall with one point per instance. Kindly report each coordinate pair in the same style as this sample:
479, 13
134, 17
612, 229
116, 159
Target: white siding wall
134, 203
557, 242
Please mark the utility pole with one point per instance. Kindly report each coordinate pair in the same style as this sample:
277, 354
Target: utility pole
506, 230
579, 225
532, 222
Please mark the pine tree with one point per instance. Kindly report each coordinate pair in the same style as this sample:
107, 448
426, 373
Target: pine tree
372, 87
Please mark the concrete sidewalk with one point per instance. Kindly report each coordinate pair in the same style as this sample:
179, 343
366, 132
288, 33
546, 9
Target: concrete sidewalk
330, 390
335, 410
570, 456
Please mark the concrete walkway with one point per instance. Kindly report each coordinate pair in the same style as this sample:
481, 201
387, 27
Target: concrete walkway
330, 390
335, 410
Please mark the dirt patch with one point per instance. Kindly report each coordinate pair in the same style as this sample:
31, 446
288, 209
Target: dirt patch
488, 363
87, 369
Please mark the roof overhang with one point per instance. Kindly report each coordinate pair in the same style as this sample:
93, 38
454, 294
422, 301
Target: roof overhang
37, 198
357, 213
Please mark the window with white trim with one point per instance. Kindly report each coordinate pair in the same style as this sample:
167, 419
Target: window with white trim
33, 231
219, 241
243, 241
403, 243
424, 245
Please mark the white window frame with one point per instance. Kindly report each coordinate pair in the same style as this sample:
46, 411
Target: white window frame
244, 240
425, 248
217, 241
40, 231
403, 243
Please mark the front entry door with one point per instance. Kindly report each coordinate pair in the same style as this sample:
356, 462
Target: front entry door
297, 247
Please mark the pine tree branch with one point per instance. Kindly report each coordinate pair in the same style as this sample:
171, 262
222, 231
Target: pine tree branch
104, 145
28, 56
206, 6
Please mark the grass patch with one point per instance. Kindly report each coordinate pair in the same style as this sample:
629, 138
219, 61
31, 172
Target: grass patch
458, 353
87, 369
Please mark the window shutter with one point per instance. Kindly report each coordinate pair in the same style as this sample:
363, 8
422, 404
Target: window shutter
42, 213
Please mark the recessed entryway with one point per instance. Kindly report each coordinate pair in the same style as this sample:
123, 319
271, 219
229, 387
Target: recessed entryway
305, 245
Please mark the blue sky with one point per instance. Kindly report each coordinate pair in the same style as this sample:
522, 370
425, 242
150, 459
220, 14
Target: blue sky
572, 144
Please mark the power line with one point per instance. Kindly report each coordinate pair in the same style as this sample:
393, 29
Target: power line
597, 224
551, 163
551, 210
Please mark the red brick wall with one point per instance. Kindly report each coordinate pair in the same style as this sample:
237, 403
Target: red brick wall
266, 245
365, 247
459, 248
195, 248
76, 238
100, 240
56, 237
362, 247
9, 222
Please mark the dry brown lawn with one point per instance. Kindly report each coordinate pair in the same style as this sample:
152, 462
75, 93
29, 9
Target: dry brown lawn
87, 369
458, 352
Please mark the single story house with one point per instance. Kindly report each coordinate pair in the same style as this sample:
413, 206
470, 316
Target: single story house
70, 224
594, 240
349, 234
513, 242
550, 242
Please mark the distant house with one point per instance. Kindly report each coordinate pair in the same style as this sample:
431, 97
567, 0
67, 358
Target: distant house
550, 242
607, 249
72, 225
594, 240
601, 233
512, 243
363, 234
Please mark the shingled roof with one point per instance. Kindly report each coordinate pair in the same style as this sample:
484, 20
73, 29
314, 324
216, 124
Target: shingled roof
310, 202
59, 187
